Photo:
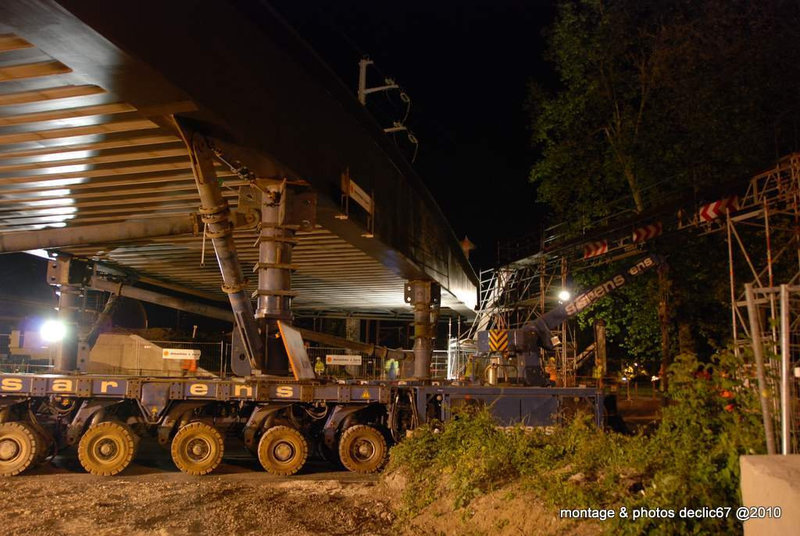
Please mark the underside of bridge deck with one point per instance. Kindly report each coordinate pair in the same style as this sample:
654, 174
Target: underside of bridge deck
88, 96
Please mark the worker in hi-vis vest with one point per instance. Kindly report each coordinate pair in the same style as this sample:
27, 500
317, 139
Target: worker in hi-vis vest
319, 367
390, 368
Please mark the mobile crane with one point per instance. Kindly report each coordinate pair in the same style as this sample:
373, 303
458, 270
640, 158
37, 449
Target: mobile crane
525, 346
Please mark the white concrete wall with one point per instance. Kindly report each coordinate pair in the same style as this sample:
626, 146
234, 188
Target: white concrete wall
772, 481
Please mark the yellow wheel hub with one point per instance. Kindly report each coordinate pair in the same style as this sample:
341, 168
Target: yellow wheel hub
363, 449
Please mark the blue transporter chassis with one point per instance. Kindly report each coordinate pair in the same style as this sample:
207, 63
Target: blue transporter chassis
281, 422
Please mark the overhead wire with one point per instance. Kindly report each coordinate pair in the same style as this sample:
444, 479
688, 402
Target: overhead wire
403, 95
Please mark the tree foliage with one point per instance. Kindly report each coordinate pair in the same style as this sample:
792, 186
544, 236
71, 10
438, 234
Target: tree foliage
658, 99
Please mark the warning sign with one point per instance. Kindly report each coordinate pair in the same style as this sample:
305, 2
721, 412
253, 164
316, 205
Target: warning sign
342, 359
180, 353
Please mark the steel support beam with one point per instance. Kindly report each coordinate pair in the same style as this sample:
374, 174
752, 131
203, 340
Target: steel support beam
275, 244
216, 217
105, 233
786, 358
96, 234
157, 298
73, 351
758, 353
69, 299
372, 350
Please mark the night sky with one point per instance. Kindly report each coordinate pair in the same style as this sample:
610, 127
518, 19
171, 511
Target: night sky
466, 67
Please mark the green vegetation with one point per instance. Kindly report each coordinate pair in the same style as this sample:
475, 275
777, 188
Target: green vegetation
690, 459
657, 102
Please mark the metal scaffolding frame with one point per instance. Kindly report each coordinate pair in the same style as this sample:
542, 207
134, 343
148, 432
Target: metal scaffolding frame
763, 235
522, 291
776, 346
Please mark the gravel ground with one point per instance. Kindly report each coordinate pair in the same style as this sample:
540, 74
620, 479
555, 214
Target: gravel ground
153, 498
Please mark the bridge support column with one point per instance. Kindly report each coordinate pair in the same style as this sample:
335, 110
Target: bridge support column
275, 244
424, 296
68, 306
73, 350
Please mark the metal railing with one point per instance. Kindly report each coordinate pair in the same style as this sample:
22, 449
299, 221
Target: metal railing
214, 356
20, 363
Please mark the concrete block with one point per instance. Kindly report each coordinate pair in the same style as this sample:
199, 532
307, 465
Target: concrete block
772, 481
130, 354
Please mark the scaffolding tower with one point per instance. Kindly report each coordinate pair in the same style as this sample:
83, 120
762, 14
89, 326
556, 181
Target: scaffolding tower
522, 291
763, 234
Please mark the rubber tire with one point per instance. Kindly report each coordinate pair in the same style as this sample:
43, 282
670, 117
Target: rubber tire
349, 442
289, 435
122, 436
213, 441
28, 444
45, 450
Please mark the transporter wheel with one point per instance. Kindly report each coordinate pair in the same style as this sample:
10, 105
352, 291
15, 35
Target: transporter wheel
282, 450
363, 449
107, 448
20, 447
197, 448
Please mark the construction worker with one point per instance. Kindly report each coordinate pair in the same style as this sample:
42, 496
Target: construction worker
390, 368
319, 367
552, 370
469, 368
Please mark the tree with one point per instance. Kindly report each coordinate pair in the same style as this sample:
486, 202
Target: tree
658, 98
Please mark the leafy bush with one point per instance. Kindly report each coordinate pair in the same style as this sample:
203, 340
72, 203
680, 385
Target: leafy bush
690, 459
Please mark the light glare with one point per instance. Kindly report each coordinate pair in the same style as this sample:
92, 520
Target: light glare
53, 331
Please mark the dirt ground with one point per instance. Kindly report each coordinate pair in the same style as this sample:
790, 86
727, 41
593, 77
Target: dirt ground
153, 498
508, 511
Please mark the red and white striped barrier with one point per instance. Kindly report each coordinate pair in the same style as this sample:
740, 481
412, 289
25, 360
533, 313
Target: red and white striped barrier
648, 232
595, 249
714, 210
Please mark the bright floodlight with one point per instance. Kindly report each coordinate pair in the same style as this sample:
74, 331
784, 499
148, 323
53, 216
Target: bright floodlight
53, 331
564, 295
